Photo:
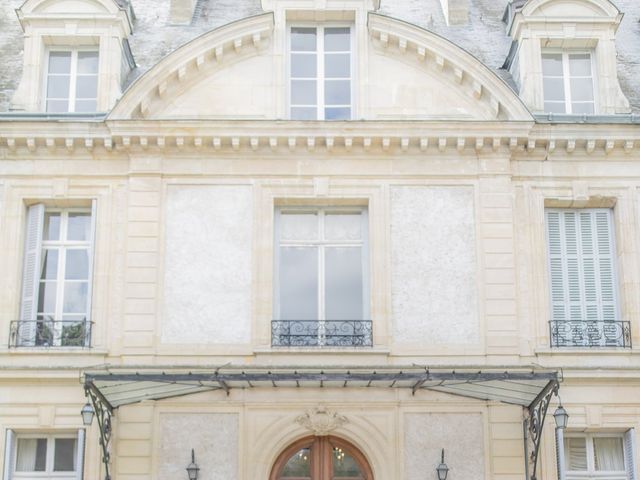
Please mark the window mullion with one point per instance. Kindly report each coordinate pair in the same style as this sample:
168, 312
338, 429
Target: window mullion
566, 72
49, 461
320, 76
321, 265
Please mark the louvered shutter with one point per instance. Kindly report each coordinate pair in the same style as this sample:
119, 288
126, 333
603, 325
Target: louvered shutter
9, 447
630, 460
31, 275
560, 460
88, 329
80, 454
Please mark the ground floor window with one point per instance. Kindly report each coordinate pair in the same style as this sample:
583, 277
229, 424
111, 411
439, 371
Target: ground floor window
321, 458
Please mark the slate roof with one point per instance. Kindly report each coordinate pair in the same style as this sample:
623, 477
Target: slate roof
484, 37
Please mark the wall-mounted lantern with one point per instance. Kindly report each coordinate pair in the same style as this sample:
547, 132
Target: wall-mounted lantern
561, 417
442, 469
87, 413
193, 469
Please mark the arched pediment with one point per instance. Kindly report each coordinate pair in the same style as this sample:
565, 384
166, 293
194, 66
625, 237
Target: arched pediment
236, 72
570, 8
69, 7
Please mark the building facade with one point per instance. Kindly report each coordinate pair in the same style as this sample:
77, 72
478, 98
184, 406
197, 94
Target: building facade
319, 239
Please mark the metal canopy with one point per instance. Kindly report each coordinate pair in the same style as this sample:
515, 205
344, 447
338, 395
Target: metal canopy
117, 387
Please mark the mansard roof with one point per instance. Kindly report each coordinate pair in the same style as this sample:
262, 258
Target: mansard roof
484, 36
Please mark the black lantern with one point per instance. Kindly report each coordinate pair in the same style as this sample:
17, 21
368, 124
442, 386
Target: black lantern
442, 469
87, 413
561, 417
193, 469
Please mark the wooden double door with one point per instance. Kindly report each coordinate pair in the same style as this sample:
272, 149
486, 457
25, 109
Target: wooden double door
321, 458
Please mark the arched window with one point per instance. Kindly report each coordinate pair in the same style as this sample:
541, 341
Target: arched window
321, 458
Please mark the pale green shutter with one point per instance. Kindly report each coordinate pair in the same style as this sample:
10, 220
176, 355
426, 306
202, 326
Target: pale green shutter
9, 447
80, 454
31, 274
560, 460
630, 460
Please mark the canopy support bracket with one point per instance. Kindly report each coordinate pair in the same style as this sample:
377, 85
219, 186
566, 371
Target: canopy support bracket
533, 425
103, 411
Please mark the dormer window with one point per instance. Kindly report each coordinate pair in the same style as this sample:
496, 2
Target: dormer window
72, 81
320, 73
568, 82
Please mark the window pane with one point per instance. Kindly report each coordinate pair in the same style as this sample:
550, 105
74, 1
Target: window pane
60, 62
75, 297
552, 64
86, 106
303, 39
337, 92
343, 289
580, 65
79, 226
77, 265
582, 108
304, 113
47, 297
555, 107
298, 466
345, 466
337, 65
298, 283
87, 86
608, 454
343, 226
31, 455
553, 89
87, 62
337, 39
57, 106
52, 226
64, 457
58, 86
49, 264
299, 226
575, 452
581, 90
304, 65
341, 113
303, 92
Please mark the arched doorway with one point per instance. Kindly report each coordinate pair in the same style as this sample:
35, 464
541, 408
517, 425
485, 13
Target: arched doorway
321, 458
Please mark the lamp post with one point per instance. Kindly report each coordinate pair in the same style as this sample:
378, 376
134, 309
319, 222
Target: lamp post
193, 469
442, 469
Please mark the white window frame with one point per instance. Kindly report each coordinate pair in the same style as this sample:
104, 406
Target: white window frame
591, 472
48, 473
566, 77
322, 245
320, 77
73, 75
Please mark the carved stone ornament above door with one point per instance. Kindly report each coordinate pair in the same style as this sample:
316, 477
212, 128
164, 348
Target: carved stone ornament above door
321, 421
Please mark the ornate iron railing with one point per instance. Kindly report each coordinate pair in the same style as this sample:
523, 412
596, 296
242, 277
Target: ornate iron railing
590, 333
321, 333
50, 333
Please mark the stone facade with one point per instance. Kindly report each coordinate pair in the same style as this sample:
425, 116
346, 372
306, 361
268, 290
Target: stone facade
192, 153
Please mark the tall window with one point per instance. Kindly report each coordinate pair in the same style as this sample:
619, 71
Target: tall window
55, 307
584, 308
320, 72
72, 81
568, 83
321, 274
608, 456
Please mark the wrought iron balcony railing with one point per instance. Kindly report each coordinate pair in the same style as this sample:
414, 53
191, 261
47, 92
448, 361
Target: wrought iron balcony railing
50, 333
321, 333
590, 333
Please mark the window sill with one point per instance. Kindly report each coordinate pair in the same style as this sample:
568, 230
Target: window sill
54, 351
587, 351
324, 350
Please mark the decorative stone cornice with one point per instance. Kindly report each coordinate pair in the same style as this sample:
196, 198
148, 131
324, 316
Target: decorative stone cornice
321, 421
26, 139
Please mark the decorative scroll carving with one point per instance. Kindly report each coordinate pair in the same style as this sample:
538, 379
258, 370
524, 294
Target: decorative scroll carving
321, 421
533, 426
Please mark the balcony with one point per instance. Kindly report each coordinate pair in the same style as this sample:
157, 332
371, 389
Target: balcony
50, 333
321, 333
590, 334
